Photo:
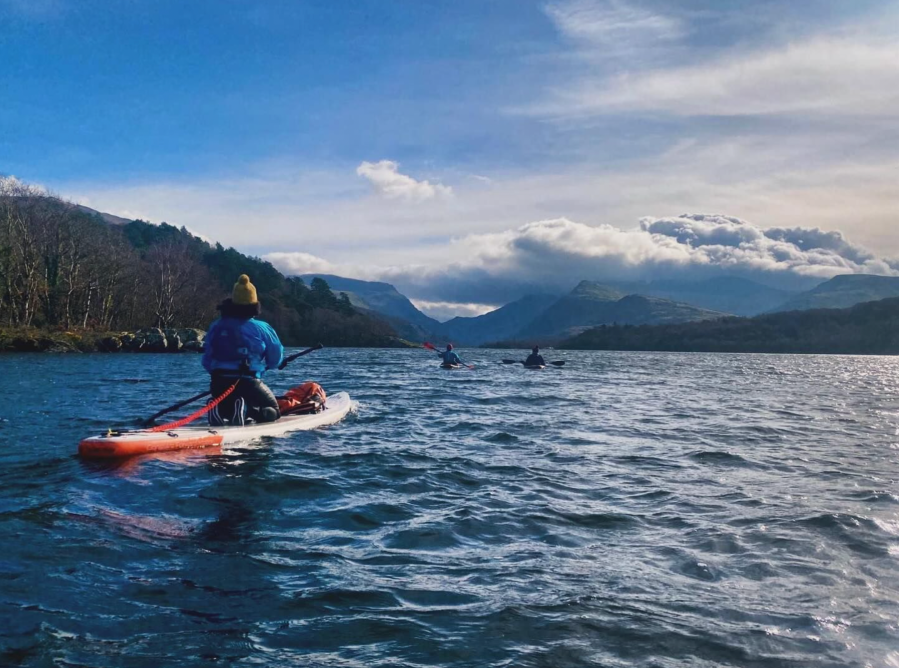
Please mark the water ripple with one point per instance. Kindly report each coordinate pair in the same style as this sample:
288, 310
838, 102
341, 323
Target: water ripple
629, 509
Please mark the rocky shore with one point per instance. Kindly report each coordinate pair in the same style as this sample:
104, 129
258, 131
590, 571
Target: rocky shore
148, 340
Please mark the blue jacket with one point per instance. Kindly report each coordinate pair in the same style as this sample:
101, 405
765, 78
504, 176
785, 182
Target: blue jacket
450, 357
232, 342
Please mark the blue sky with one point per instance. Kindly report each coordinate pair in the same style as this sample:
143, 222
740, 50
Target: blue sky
416, 140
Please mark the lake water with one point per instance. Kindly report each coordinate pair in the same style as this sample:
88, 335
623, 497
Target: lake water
629, 509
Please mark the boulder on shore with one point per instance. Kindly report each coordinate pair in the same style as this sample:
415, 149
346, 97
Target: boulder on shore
111, 344
192, 340
173, 341
150, 340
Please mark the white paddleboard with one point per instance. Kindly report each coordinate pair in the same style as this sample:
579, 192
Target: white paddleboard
126, 444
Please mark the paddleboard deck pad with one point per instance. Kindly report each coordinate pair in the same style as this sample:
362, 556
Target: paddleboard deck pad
140, 442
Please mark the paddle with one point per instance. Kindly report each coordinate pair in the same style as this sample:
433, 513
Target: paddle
291, 358
430, 346
181, 404
560, 363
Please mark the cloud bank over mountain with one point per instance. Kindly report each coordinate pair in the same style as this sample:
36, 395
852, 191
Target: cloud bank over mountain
553, 255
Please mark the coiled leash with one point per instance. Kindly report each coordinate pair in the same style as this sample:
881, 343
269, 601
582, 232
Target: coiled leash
198, 414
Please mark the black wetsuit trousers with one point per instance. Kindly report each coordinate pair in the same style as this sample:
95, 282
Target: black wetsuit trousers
256, 394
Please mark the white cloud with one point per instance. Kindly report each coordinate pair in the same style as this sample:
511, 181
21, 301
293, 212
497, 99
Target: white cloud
786, 181
295, 263
553, 255
822, 76
388, 182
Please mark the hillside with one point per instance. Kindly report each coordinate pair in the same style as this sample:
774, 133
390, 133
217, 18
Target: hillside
871, 328
68, 267
500, 324
107, 217
726, 294
844, 291
588, 304
591, 304
386, 300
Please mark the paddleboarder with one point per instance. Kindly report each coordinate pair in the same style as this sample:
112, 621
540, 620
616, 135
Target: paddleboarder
535, 358
239, 348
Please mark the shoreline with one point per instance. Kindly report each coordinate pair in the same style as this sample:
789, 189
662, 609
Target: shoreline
146, 340
174, 340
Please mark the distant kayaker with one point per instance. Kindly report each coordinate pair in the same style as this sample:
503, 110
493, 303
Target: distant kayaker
535, 358
449, 356
238, 346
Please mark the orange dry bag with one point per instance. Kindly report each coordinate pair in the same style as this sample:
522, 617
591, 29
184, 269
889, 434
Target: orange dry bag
306, 398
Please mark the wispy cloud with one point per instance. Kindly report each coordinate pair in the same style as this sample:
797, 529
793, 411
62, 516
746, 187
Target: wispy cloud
822, 76
615, 26
388, 182
785, 180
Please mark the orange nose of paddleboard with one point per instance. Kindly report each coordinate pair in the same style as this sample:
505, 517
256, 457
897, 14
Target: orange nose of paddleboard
127, 445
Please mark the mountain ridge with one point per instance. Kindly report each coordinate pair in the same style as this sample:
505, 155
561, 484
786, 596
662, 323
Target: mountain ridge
591, 304
499, 324
843, 291
383, 299
726, 294
868, 328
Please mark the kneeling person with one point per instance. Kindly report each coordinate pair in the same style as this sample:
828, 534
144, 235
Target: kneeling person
240, 348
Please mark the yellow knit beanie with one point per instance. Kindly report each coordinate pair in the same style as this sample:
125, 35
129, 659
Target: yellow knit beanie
244, 291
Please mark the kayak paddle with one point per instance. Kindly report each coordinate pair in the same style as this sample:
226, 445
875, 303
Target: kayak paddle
559, 363
181, 404
291, 358
431, 346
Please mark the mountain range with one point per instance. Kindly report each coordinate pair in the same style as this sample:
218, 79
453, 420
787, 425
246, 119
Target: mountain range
727, 294
548, 318
842, 292
537, 318
375, 313
868, 328
500, 325
591, 304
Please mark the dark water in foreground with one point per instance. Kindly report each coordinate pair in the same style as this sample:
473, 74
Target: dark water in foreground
631, 509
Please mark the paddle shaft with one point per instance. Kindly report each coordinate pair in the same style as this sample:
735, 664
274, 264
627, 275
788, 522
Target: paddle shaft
291, 358
175, 407
182, 404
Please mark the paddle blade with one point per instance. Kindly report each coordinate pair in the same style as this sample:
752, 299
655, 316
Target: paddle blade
561, 363
512, 362
429, 346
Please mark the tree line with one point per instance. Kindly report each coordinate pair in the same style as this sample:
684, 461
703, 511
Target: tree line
870, 328
65, 268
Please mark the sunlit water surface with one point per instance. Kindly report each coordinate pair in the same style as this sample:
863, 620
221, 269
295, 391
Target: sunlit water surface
630, 509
